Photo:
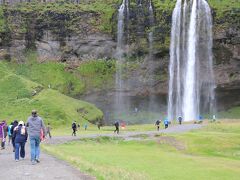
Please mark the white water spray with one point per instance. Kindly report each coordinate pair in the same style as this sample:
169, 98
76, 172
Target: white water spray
191, 81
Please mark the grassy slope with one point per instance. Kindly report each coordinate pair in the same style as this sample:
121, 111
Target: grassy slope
89, 75
233, 113
210, 153
17, 101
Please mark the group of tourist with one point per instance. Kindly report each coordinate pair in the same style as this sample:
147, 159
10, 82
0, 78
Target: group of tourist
18, 133
76, 126
165, 122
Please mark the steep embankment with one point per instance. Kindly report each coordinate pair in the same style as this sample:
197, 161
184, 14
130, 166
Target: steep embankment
19, 95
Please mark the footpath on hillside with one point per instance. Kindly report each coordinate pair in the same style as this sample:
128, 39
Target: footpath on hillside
51, 168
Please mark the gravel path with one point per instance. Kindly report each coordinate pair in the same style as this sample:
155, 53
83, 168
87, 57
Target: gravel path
126, 135
51, 168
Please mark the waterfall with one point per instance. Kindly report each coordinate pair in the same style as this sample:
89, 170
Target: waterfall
174, 56
191, 79
151, 22
190, 91
119, 85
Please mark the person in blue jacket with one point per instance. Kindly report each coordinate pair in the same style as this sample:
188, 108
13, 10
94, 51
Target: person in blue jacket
20, 134
166, 122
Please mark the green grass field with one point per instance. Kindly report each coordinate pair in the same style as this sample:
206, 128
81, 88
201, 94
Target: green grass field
209, 153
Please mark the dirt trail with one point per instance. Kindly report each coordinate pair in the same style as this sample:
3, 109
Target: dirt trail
51, 168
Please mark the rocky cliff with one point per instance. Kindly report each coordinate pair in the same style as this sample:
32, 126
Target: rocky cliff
67, 32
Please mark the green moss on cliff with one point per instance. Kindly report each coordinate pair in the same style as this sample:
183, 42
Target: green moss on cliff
97, 74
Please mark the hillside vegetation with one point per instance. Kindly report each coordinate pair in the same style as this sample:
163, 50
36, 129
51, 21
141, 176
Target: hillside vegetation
19, 95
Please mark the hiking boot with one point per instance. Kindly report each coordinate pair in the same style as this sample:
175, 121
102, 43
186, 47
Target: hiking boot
33, 162
37, 160
16, 160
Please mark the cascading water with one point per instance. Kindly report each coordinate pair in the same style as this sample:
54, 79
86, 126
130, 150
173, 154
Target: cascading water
174, 59
119, 85
191, 80
151, 22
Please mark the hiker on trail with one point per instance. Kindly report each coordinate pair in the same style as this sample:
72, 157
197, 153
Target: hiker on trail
9, 133
15, 124
74, 128
116, 124
35, 125
99, 125
20, 134
166, 122
214, 118
48, 130
3, 133
180, 120
85, 126
158, 124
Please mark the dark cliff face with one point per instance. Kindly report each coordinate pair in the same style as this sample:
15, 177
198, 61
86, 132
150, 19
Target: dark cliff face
56, 34
72, 35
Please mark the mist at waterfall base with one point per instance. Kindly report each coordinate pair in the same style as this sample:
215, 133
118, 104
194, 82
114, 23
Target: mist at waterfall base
191, 80
132, 109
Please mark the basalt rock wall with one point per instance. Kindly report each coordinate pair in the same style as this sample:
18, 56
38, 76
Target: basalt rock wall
66, 33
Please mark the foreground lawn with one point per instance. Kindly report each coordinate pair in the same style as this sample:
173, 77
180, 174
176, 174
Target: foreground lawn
210, 153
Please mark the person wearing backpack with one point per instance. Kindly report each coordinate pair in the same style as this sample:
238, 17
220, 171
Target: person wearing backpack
74, 128
20, 134
35, 125
116, 124
157, 123
9, 133
166, 122
180, 119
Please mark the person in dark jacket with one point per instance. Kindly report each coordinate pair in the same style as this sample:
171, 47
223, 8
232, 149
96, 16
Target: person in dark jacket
20, 135
15, 124
116, 124
157, 123
180, 119
74, 128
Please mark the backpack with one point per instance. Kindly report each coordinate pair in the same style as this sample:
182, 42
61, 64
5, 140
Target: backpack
9, 130
74, 125
23, 130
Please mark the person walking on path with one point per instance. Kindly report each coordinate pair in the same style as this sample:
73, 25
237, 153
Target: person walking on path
99, 125
74, 128
20, 134
9, 133
48, 129
3, 133
85, 126
35, 125
15, 124
158, 124
116, 124
180, 120
166, 122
